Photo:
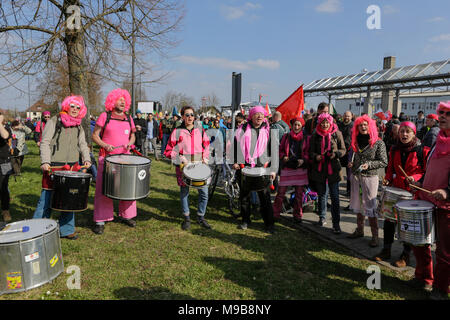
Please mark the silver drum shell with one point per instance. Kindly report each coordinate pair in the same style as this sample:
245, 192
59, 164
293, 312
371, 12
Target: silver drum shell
416, 227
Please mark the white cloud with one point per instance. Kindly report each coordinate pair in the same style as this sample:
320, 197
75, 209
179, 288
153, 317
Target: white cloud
230, 64
329, 6
441, 38
436, 19
234, 13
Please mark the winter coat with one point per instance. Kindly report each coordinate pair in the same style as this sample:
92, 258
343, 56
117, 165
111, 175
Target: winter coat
375, 156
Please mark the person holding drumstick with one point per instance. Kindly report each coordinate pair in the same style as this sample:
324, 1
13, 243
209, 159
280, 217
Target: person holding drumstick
186, 144
406, 165
253, 144
435, 187
114, 132
369, 156
5, 169
63, 141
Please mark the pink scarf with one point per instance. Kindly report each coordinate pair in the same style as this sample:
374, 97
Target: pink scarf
68, 121
442, 145
326, 135
294, 136
245, 138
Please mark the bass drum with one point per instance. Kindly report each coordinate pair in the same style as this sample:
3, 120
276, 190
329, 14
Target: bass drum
126, 177
29, 259
71, 191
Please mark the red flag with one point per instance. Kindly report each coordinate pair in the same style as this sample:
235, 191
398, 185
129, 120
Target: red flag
293, 106
268, 110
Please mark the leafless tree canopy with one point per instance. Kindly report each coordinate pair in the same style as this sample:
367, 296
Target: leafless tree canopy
176, 99
36, 34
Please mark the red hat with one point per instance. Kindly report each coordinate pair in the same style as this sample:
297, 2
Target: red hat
433, 116
302, 121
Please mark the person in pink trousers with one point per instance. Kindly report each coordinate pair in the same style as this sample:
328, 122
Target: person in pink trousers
114, 132
293, 172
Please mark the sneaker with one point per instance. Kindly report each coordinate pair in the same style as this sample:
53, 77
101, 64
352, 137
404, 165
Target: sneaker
129, 222
356, 234
72, 236
403, 261
186, 225
99, 228
243, 226
437, 294
337, 230
384, 255
203, 223
321, 222
270, 229
347, 208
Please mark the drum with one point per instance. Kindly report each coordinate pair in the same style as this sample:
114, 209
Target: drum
29, 259
415, 221
71, 191
197, 175
255, 179
126, 177
389, 197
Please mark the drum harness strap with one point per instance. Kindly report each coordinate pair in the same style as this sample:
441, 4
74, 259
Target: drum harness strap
108, 118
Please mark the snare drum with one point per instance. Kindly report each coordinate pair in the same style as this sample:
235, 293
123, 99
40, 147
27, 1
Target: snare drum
126, 177
197, 175
255, 179
29, 259
415, 222
71, 190
389, 197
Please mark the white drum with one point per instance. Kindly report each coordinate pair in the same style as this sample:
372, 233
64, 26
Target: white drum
389, 197
197, 175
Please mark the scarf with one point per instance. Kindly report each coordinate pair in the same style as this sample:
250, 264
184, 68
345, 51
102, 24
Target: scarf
363, 140
406, 147
245, 138
69, 121
295, 137
326, 137
442, 145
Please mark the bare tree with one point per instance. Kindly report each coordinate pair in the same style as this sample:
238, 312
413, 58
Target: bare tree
176, 99
92, 35
211, 100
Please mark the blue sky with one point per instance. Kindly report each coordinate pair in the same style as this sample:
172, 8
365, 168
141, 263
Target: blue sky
278, 45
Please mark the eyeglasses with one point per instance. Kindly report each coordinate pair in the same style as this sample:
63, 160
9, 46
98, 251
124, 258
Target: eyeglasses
442, 112
74, 106
188, 114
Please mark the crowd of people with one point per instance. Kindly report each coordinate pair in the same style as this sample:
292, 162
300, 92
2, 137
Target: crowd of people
312, 151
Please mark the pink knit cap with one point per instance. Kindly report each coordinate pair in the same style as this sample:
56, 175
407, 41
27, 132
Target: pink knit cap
409, 124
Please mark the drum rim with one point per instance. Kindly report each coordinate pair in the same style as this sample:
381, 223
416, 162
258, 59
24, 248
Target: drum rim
55, 228
431, 206
128, 164
194, 179
59, 173
253, 176
402, 192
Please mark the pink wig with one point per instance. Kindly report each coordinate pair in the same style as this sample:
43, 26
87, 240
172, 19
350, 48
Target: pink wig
115, 95
443, 106
76, 100
373, 131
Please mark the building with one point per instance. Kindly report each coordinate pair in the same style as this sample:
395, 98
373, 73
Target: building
411, 104
35, 111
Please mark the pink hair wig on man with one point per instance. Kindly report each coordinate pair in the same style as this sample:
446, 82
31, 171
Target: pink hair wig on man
74, 100
373, 131
115, 95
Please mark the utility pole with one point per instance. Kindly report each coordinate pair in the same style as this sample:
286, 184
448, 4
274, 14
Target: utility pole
133, 42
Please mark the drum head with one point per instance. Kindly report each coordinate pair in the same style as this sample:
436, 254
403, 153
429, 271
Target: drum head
255, 172
415, 205
127, 159
72, 174
37, 227
197, 171
399, 192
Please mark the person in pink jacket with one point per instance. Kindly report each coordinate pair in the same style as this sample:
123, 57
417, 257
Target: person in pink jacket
437, 180
186, 144
113, 137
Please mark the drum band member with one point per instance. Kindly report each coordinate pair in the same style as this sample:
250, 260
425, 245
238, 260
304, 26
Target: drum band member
437, 181
188, 143
115, 136
369, 155
253, 146
63, 141
5, 169
410, 155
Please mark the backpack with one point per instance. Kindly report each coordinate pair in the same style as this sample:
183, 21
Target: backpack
108, 119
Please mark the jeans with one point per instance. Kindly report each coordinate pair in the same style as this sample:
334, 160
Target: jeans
202, 200
333, 189
93, 168
43, 211
165, 139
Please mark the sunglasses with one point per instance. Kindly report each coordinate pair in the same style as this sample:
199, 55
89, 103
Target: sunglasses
74, 106
442, 112
188, 114
46, 117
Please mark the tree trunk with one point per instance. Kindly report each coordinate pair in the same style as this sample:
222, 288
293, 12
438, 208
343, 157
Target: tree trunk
78, 83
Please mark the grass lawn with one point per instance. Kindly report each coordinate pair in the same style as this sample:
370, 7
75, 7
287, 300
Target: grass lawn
158, 260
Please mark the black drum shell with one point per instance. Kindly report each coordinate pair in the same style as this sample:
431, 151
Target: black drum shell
70, 192
255, 183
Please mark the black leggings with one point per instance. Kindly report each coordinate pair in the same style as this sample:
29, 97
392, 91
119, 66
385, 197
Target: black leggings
389, 231
4, 192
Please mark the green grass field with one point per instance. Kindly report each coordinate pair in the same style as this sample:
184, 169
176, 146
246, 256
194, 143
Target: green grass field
158, 260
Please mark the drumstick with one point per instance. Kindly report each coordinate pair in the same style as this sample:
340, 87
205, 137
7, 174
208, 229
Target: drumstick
419, 188
403, 171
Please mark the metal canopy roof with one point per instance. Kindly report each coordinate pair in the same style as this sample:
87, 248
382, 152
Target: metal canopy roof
428, 77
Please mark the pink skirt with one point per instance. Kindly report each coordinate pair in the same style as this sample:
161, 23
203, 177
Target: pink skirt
293, 177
